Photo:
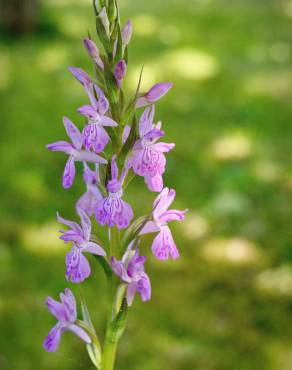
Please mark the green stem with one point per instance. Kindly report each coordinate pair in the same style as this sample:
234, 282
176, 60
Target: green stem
111, 340
109, 353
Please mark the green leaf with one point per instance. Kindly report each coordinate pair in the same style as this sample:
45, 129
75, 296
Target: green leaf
119, 52
103, 36
112, 11
134, 230
131, 106
94, 348
133, 136
118, 325
105, 265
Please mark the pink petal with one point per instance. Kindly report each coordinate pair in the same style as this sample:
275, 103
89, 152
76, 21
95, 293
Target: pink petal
81, 333
73, 132
60, 146
69, 173
150, 227
154, 183
163, 201
94, 248
85, 223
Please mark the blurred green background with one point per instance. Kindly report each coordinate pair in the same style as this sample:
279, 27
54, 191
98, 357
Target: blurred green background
226, 304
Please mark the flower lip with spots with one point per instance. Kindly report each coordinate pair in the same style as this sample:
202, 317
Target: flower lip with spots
113, 210
163, 245
148, 159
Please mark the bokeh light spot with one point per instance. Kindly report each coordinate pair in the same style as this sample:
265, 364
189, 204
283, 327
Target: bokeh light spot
43, 239
145, 25
234, 251
276, 281
53, 58
273, 83
233, 146
191, 64
194, 226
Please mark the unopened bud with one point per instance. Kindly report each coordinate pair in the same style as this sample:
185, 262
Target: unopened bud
93, 52
120, 72
105, 21
127, 33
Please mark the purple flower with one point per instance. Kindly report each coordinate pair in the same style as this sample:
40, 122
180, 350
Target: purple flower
148, 158
65, 313
93, 52
131, 271
127, 33
77, 266
112, 210
155, 93
120, 72
163, 244
92, 196
74, 151
94, 135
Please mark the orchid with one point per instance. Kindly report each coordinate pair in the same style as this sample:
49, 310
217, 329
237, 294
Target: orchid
77, 266
74, 151
94, 135
163, 245
114, 145
65, 313
113, 210
148, 158
131, 271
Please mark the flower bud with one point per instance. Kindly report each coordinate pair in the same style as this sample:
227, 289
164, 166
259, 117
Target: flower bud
127, 33
105, 21
155, 93
120, 72
93, 52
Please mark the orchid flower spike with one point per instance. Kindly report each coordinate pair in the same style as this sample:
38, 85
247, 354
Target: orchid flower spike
155, 93
74, 151
163, 245
148, 158
131, 271
77, 266
65, 313
112, 210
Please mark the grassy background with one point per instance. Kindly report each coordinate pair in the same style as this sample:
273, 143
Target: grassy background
227, 302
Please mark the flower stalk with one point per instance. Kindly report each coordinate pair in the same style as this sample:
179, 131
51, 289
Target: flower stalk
117, 143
